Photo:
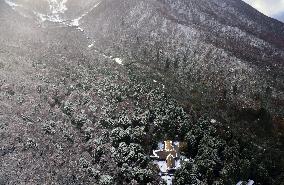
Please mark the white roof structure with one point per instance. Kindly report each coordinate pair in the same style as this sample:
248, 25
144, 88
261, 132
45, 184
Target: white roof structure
167, 159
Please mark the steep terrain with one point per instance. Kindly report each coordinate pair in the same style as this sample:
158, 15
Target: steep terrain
222, 58
220, 45
88, 88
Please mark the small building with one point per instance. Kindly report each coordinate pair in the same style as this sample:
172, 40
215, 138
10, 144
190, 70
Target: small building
167, 157
169, 154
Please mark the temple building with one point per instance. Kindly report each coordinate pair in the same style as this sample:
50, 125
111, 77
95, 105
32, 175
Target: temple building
167, 158
169, 153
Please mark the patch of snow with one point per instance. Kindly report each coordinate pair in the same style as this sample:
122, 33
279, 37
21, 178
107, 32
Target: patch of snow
76, 22
155, 81
178, 164
168, 179
176, 143
162, 166
12, 4
213, 121
251, 182
91, 45
57, 6
80, 29
161, 146
51, 18
118, 60
41, 16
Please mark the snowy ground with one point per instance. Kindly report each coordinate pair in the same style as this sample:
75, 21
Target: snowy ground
168, 179
250, 182
57, 8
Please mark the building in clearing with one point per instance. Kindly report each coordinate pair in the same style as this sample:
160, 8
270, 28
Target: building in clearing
168, 158
169, 154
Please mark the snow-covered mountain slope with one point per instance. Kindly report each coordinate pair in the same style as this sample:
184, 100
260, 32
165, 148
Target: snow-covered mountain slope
52, 10
225, 45
217, 53
89, 87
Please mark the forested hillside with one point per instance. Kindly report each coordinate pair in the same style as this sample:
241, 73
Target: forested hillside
89, 88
